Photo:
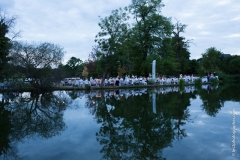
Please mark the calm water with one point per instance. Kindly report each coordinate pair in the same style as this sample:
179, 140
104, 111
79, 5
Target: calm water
163, 123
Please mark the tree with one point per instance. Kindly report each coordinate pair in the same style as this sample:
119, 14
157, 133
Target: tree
168, 58
225, 67
180, 47
91, 68
234, 65
6, 25
193, 67
211, 59
38, 60
148, 31
110, 38
74, 66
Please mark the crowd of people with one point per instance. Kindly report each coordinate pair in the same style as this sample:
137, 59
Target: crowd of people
132, 80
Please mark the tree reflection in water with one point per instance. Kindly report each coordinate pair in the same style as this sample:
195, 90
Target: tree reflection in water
135, 124
25, 115
131, 128
211, 99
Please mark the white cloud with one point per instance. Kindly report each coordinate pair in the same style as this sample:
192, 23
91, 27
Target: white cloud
236, 35
223, 2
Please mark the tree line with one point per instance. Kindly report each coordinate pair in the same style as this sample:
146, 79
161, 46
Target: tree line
132, 37
129, 39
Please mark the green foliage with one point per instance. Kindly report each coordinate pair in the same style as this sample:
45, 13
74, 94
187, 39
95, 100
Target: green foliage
211, 60
168, 60
131, 44
74, 67
92, 68
181, 85
201, 71
181, 82
237, 78
149, 30
148, 63
5, 43
214, 80
198, 81
110, 39
180, 48
224, 77
193, 67
225, 67
234, 65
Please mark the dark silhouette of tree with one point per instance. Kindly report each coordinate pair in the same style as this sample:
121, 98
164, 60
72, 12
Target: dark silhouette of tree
26, 115
38, 60
180, 47
130, 129
6, 25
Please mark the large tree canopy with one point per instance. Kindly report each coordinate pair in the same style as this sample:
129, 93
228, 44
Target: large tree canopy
180, 47
149, 31
36, 55
110, 38
37, 59
128, 36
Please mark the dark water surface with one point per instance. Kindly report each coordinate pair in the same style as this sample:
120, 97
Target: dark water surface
190, 123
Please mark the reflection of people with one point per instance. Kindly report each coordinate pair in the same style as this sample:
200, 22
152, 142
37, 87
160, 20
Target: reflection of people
208, 88
208, 78
117, 81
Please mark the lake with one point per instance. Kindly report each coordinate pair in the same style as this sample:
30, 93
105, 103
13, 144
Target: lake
186, 123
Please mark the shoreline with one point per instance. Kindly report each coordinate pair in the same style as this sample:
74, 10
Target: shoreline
99, 87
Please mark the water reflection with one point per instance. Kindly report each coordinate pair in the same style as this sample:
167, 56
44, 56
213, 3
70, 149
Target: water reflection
29, 115
133, 123
139, 127
130, 130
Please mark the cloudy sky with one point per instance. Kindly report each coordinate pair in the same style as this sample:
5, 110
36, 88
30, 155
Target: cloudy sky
73, 24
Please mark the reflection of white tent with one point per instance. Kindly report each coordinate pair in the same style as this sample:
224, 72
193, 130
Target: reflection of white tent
154, 102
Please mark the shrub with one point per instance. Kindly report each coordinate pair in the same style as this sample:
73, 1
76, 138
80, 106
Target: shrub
214, 80
224, 77
237, 78
198, 81
181, 82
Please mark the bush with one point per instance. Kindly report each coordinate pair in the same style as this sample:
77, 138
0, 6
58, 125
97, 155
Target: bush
237, 78
198, 81
181, 82
214, 80
224, 77
181, 85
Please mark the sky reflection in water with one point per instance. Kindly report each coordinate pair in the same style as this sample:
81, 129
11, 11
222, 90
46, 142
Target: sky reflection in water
186, 124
